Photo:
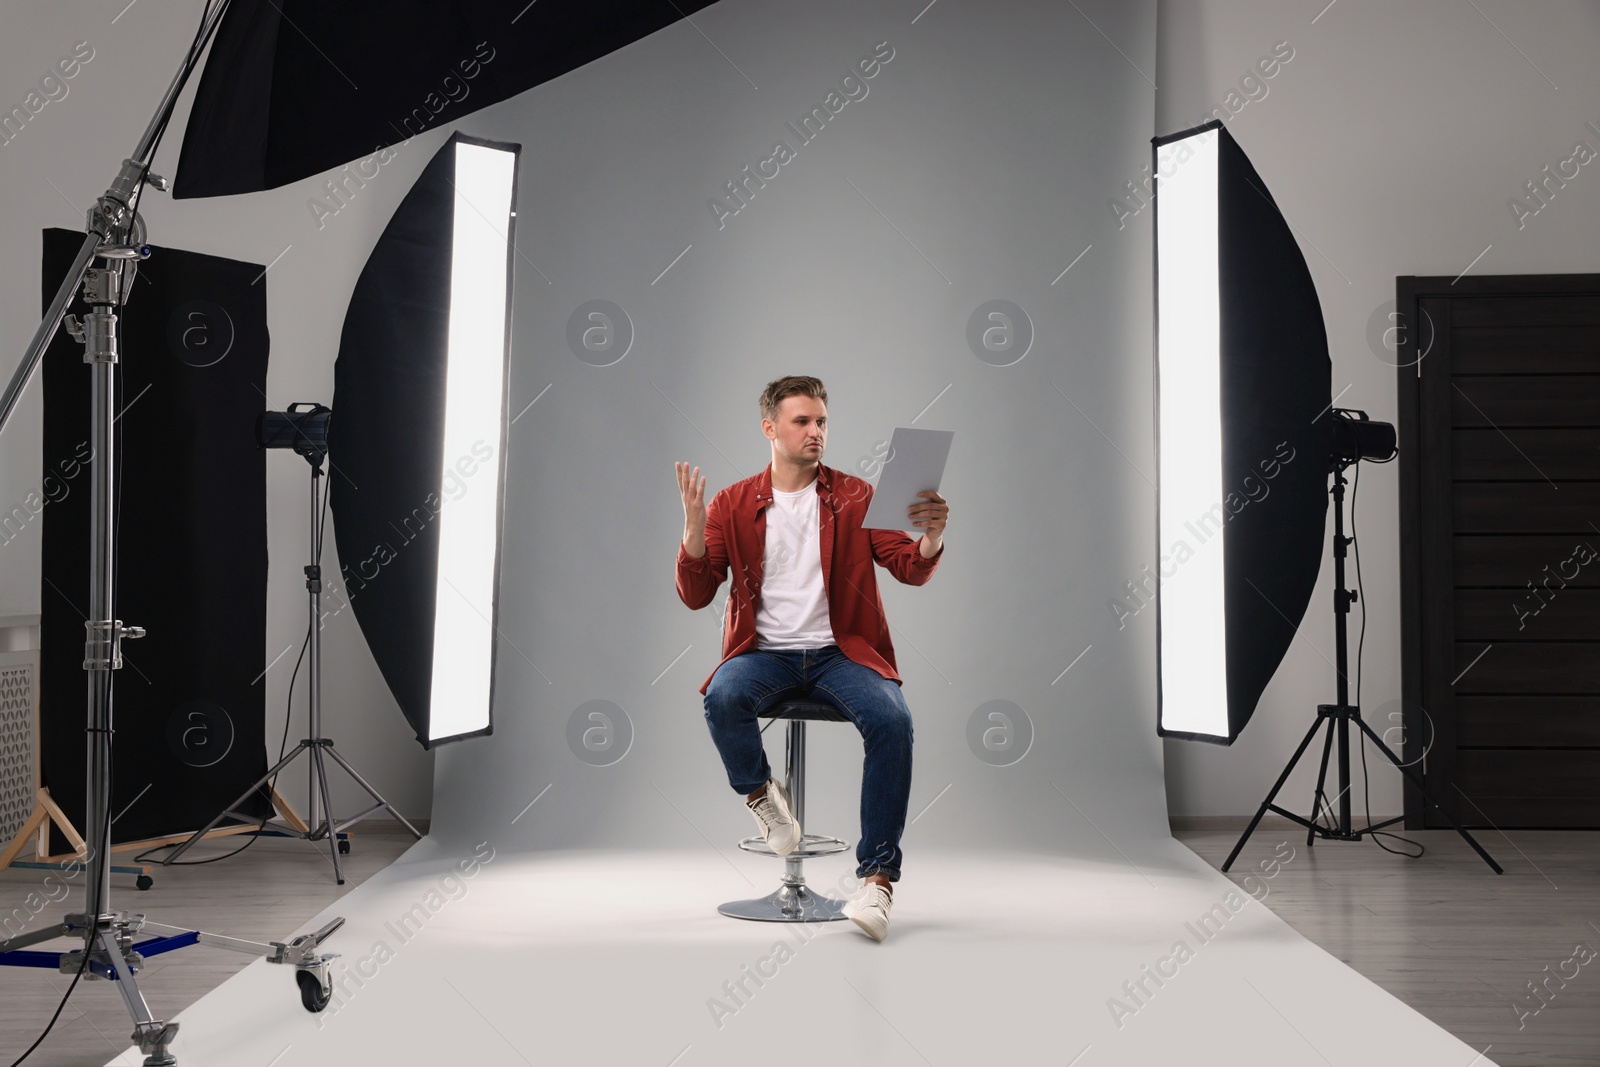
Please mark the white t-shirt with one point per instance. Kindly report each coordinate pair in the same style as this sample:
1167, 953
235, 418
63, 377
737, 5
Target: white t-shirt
793, 608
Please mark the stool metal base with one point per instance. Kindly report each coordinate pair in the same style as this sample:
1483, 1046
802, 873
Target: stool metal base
787, 904
794, 901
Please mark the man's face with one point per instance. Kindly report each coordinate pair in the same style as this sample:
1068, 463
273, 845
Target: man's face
801, 432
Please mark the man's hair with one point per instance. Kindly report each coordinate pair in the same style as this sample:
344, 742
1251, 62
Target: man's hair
790, 385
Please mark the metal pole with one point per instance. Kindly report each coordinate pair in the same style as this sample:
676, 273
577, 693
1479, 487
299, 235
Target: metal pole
314, 584
100, 642
314, 587
1342, 598
319, 769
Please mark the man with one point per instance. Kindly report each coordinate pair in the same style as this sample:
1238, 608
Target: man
805, 619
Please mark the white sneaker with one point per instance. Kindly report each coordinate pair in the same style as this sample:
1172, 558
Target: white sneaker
870, 911
775, 817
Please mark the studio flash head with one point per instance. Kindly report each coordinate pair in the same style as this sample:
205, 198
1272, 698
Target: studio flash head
1355, 437
304, 428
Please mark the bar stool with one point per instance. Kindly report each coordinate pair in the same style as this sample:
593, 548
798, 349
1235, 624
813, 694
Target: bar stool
793, 900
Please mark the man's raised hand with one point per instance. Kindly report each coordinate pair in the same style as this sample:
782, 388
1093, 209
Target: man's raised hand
692, 485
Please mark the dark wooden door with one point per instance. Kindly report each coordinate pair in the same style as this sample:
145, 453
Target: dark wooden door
1499, 423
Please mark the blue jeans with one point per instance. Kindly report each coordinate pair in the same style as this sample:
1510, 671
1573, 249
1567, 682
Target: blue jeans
761, 678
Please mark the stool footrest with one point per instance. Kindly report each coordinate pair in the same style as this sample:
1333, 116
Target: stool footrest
810, 845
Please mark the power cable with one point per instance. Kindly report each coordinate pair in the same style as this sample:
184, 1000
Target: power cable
1366, 787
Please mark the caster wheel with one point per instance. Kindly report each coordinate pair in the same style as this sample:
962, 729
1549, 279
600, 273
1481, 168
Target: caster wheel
311, 994
344, 846
144, 881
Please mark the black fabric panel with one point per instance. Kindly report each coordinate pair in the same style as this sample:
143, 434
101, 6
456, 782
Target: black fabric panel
1276, 388
192, 546
344, 80
386, 436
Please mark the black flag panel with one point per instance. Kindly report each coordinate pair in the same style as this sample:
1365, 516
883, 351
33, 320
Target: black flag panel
189, 708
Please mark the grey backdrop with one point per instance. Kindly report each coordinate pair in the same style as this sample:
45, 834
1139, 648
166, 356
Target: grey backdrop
976, 168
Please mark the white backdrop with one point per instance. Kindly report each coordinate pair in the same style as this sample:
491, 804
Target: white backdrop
975, 168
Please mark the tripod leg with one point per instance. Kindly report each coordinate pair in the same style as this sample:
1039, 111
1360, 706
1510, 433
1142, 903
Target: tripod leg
263, 780
362, 782
1416, 781
106, 937
1322, 778
1267, 803
321, 772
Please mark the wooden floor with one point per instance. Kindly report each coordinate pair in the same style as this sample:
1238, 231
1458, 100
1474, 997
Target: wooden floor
1447, 935
262, 894
1444, 933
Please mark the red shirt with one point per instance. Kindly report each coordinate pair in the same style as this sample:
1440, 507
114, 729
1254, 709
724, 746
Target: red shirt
736, 539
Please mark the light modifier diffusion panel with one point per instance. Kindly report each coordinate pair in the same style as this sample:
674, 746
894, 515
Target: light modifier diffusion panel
417, 438
1243, 391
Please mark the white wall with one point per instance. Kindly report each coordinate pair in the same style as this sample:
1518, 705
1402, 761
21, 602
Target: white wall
1392, 142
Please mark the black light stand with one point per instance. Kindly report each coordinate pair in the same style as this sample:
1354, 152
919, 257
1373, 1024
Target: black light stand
306, 432
1339, 716
116, 233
